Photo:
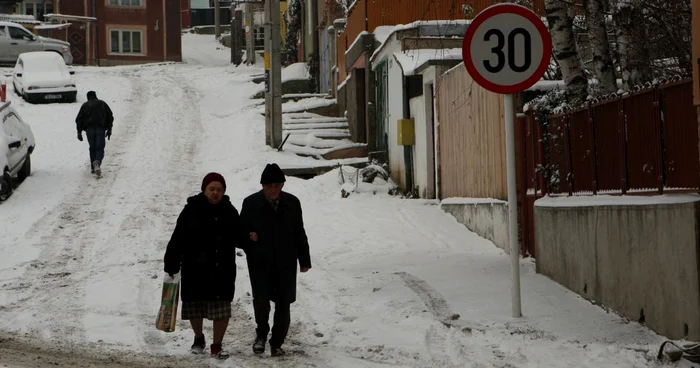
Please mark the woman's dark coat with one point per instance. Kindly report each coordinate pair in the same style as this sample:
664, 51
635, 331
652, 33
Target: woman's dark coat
203, 247
272, 260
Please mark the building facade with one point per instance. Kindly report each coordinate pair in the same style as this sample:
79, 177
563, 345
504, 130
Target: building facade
120, 32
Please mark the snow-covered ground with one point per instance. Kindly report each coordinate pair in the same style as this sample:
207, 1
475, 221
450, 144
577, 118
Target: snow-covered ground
394, 282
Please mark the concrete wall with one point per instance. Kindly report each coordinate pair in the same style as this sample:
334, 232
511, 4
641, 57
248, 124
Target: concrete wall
487, 218
633, 255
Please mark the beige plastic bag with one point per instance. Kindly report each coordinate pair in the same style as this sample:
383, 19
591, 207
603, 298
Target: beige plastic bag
167, 315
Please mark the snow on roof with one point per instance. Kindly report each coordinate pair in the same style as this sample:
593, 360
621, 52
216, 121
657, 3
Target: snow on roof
418, 23
65, 16
19, 18
411, 60
386, 34
52, 26
296, 71
356, 40
381, 33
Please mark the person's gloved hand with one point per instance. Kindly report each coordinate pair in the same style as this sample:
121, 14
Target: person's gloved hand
108, 134
80, 136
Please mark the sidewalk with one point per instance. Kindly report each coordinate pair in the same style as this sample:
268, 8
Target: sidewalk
392, 273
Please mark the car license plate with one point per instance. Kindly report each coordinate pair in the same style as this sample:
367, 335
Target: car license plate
53, 97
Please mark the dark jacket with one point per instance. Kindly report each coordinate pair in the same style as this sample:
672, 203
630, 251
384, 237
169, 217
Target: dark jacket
272, 260
203, 247
94, 113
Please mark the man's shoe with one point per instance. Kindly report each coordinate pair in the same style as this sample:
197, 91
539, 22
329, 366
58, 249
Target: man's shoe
277, 351
259, 345
96, 165
217, 352
199, 345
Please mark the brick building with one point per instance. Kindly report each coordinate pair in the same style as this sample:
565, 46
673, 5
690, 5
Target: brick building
119, 32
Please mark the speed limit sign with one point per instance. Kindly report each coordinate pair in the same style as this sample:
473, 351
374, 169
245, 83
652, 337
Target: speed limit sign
506, 48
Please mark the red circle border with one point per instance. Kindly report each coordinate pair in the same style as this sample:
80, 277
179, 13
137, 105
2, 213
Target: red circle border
509, 9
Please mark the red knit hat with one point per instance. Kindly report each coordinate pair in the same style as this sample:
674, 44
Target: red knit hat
212, 176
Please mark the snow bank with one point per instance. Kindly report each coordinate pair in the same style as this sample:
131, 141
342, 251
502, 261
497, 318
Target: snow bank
296, 71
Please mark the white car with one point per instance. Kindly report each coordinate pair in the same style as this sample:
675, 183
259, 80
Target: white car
43, 76
16, 146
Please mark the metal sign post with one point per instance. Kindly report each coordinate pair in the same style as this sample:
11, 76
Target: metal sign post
506, 50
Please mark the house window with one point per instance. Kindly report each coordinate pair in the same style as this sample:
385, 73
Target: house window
126, 42
128, 3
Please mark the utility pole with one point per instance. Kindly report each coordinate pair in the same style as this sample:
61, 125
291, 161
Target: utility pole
273, 74
217, 21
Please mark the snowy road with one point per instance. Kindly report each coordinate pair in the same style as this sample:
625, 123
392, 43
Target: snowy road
395, 282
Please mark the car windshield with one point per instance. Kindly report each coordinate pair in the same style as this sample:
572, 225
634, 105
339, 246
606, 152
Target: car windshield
44, 65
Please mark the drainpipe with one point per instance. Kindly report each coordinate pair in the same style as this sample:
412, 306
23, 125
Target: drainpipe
95, 42
407, 150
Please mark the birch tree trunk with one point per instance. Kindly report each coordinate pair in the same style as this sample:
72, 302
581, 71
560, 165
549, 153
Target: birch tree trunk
631, 46
600, 47
564, 49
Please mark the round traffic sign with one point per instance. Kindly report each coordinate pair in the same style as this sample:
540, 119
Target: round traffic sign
506, 48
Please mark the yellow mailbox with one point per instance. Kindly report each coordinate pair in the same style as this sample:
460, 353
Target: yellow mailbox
406, 132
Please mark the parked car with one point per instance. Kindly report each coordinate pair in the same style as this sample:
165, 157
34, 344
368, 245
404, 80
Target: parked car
16, 146
15, 40
43, 76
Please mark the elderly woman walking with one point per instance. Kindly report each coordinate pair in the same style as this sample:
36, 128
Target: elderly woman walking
202, 246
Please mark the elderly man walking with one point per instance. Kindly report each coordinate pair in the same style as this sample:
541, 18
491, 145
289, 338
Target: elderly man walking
279, 240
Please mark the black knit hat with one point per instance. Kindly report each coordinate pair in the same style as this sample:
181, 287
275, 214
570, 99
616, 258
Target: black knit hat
272, 175
91, 95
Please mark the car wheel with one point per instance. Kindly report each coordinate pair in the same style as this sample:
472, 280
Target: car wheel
5, 186
14, 86
26, 98
26, 169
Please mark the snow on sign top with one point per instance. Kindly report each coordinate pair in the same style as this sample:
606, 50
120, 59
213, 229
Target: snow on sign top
507, 48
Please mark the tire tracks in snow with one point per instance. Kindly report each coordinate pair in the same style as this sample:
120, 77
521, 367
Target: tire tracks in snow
61, 264
168, 175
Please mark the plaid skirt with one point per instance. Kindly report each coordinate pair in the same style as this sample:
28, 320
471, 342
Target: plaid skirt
211, 310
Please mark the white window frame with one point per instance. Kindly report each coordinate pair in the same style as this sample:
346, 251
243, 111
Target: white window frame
121, 35
120, 3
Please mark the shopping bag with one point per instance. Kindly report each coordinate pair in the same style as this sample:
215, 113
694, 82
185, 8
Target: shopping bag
167, 314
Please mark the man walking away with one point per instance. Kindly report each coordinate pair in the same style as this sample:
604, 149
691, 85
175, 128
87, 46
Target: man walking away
95, 118
279, 240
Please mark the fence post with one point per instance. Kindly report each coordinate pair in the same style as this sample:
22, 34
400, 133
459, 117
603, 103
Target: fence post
659, 140
569, 159
545, 174
622, 127
591, 125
